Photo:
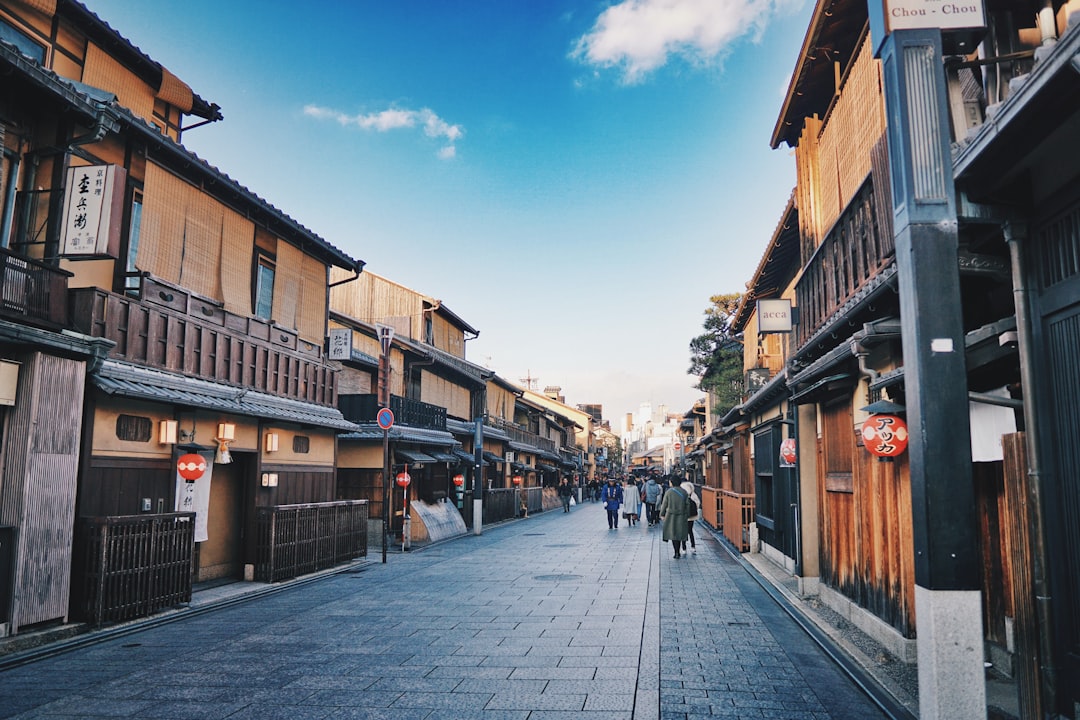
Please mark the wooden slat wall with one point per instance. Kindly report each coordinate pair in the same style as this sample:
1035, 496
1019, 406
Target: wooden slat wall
1016, 520
866, 540
40, 475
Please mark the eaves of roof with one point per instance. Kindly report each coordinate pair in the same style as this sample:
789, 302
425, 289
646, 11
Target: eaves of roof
403, 433
126, 52
778, 266
833, 35
134, 381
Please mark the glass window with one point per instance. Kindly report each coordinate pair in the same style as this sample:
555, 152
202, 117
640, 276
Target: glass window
131, 276
264, 288
22, 41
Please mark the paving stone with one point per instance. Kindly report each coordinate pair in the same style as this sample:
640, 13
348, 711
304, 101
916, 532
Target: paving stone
490, 627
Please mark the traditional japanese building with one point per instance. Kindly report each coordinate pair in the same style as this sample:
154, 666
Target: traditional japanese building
187, 316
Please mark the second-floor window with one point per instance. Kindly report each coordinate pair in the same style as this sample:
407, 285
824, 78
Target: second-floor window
131, 275
264, 287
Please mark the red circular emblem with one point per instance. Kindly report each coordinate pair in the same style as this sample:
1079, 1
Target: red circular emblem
516, 479
403, 479
191, 466
885, 435
459, 480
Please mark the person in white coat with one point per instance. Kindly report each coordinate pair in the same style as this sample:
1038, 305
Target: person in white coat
631, 501
694, 513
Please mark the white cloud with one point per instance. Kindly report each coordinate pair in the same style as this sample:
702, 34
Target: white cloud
390, 119
638, 36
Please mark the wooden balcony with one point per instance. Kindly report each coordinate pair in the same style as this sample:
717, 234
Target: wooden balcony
169, 329
413, 413
856, 249
521, 435
32, 292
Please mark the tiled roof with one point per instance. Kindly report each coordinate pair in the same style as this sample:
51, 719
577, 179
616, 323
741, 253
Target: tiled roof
133, 381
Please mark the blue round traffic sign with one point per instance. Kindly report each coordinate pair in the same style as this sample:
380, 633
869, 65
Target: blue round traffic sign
385, 418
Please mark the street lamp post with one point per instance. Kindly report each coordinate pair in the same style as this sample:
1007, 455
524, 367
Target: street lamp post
386, 336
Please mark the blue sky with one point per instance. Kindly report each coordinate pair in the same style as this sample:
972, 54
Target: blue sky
573, 178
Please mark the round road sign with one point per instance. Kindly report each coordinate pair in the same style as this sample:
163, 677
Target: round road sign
385, 418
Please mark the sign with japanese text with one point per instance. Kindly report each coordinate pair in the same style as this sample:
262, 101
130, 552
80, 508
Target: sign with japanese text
194, 496
93, 210
340, 343
885, 435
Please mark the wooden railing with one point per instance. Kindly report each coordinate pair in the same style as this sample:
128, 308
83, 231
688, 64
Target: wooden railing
195, 337
32, 291
521, 435
131, 566
413, 413
738, 513
710, 508
854, 251
292, 540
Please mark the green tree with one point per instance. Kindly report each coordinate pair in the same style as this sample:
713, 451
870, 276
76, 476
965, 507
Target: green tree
716, 356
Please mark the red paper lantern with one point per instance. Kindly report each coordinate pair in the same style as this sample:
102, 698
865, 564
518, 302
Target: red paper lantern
885, 435
191, 466
516, 479
459, 480
403, 479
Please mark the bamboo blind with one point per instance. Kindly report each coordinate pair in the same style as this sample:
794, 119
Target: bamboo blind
200, 270
237, 236
161, 237
102, 71
855, 123
175, 91
440, 391
311, 320
287, 278
45, 7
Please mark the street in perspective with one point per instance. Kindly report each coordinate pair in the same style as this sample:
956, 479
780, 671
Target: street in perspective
551, 617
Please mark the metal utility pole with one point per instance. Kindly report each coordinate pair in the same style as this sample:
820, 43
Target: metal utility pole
386, 337
478, 480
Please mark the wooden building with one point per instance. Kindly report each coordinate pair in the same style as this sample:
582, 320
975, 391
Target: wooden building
212, 304
1011, 106
432, 390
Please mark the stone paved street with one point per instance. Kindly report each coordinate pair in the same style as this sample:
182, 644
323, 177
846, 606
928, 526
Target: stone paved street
546, 618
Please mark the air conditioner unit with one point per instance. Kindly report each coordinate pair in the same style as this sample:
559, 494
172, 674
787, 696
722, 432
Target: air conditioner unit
509, 456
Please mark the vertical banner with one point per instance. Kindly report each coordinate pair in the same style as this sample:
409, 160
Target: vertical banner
194, 496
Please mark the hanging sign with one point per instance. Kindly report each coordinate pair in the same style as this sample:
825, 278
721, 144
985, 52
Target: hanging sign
93, 209
194, 495
787, 452
885, 435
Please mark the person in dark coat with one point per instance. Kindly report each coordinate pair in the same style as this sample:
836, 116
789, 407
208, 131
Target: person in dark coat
565, 493
674, 512
612, 497
652, 498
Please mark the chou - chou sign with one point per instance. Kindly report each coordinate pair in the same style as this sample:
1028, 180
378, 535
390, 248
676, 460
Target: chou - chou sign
191, 466
885, 435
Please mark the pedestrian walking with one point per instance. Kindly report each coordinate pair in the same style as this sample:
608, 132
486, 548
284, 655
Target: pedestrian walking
612, 496
631, 501
673, 514
652, 498
694, 513
565, 493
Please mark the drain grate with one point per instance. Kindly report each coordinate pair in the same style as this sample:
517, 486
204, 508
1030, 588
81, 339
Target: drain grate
556, 578
562, 545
